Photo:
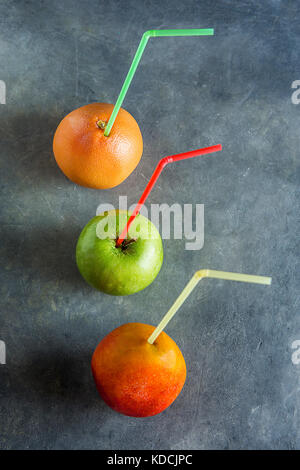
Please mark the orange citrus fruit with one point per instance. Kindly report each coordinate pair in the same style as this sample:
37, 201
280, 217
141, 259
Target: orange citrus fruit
90, 159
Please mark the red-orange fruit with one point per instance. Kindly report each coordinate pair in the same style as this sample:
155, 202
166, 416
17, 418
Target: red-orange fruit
134, 377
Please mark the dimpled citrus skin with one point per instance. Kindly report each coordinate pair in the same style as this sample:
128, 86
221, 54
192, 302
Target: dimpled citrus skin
89, 158
134, 377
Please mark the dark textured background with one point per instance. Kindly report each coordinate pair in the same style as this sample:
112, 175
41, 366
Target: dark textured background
242, 390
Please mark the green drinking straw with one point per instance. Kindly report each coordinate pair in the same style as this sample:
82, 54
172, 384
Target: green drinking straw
137, 58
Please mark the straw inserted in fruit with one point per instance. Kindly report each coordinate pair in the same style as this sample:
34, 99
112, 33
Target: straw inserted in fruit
137, 58
162, 163
192, 284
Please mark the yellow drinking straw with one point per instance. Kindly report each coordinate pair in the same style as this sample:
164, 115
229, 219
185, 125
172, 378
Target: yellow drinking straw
192, 284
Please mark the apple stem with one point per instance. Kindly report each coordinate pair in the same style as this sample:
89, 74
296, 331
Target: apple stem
125, 243
192, 284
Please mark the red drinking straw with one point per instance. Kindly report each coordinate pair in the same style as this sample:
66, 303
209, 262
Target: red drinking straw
161, 164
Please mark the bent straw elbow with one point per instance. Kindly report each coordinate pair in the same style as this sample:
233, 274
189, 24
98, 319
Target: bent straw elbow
149, 34
164, 161
201, 274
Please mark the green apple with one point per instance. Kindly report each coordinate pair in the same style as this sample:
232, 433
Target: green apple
120, 270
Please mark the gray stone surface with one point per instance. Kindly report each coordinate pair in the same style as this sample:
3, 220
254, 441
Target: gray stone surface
242, 389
